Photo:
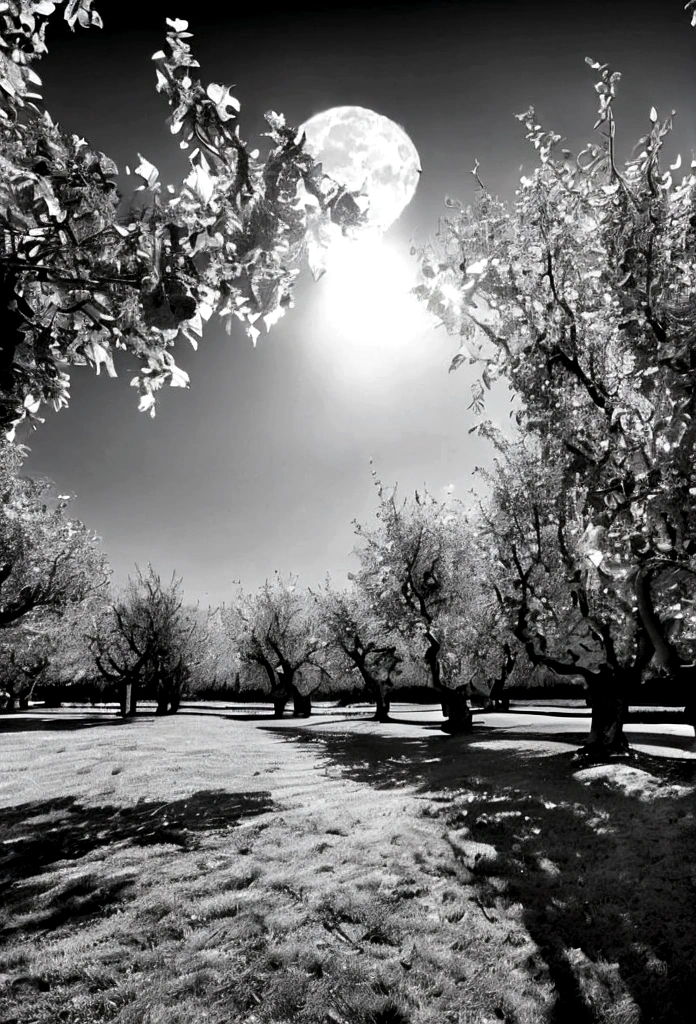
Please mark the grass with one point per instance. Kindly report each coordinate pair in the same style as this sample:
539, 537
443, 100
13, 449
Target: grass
198, 868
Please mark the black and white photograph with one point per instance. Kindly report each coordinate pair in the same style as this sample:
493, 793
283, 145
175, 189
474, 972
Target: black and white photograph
348, 512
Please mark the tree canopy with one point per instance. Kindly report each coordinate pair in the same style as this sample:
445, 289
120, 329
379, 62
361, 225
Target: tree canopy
84, 276
581, 294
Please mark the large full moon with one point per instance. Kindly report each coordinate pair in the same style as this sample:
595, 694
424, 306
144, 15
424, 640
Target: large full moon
365, 150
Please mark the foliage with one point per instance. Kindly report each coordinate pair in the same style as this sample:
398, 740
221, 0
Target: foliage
218, 667
150, 640
82, 278
358, 642
414, 573
48, 654
274, 630
48, 561
582, 295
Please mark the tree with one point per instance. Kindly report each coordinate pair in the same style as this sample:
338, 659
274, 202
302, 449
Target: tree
24, 658
359, 642
48, 561
148, 642
82, 278
412, 570
274, 630
218, 667
558, 607
581, 295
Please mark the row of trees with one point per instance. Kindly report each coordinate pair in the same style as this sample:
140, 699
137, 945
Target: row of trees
581, 557
418, 604
581, 295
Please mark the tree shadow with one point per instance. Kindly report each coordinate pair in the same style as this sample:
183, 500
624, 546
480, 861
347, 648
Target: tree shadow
31, 722
429, 762
602, 882
33, 908
38, 834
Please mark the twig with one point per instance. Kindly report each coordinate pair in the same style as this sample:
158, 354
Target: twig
483, 910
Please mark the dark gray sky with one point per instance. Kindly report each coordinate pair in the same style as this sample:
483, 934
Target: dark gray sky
264, 462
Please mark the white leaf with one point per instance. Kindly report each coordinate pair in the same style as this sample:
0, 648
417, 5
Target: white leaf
202, 183
225, 104
147, 171
31, 404
653, 115
478, 267
180, 379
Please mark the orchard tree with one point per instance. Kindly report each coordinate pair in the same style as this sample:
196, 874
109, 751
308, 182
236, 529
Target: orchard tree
413, 573
274, 630
82, 276
550, 579
148, 642
218, 668
359, 642
581, 295
24, 658
48, 561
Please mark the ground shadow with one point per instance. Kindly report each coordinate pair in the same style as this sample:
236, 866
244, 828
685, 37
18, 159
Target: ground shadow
39, 834
37, 907
429, 762
605, 882
48, 723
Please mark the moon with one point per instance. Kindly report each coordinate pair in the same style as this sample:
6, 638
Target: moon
367, 151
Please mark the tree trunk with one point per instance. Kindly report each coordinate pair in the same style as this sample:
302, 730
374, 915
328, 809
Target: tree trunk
133, 700
381, 704
279, 702
499, 701
125, 702
609, 706
377, 691
301, 704
455, 706
458, 716
175, 703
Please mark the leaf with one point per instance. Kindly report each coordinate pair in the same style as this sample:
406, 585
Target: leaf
147, 171
147, 403
179, 377
202, 184
225, 103
653, 115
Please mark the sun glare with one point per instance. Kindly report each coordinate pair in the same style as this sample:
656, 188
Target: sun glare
370, 319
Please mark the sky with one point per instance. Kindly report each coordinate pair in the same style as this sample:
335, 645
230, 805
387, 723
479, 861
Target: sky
264, 463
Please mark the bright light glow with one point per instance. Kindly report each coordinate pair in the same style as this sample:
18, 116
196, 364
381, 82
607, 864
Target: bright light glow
371, 324
366, 150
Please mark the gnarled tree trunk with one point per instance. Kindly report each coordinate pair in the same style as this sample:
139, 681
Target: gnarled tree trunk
301, 704
609, 696
381, 703
457, 712
500, 701
280, 699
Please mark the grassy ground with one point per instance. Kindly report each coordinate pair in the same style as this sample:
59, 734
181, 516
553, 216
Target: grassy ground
202, 868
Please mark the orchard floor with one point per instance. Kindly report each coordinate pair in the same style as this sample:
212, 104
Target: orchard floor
220, 866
